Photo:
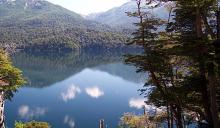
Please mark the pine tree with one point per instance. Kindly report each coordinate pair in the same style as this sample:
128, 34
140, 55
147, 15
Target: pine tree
180, 60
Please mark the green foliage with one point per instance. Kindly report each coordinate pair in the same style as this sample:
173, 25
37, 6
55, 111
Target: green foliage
129, 120
42, 25
180, 60
9, 74
19, 125
32, 124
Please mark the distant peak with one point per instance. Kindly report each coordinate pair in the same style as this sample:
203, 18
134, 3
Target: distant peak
33, 4
26, 3
34, 1
7, 1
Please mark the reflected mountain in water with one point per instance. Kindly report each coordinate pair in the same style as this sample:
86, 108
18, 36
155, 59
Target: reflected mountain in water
42, 70
70, 89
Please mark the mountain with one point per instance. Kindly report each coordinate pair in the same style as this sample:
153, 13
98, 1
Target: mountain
117, 17
45, 69
38, 24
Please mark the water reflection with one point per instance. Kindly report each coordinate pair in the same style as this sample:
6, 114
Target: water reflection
45, 70
94, 92
28, 113
78, 87
137, 102
69, 121
70, 93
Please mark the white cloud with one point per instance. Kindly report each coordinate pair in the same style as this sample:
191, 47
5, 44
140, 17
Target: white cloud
26, 112
70, 93
137, 103
23, 110
69, 121
94, 92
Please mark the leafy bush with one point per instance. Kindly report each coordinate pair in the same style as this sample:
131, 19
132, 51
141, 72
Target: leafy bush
32, 124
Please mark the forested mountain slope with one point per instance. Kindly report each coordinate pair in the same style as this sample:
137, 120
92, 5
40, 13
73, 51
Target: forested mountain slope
38, 24
117, 17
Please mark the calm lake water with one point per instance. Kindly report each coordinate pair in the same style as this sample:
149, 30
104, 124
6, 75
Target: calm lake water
75, 90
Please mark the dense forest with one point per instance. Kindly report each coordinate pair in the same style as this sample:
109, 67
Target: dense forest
182, 60
38, 24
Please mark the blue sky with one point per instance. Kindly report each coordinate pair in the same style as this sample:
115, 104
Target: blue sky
89, 6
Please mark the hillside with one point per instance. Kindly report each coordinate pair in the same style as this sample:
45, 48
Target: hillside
38, 24
117, 17
40, 68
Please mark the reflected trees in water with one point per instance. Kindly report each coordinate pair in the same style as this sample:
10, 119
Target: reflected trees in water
10, 80
181, 59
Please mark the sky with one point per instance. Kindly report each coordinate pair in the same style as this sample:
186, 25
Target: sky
85, 7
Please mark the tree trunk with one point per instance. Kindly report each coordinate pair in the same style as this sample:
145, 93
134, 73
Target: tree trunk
171, 114
198, 23
177, 111
101, 124
218, 24
218, 19
213, 82
168, 116
208, 28
214, 109
2, 118
141, 21
179, 117
205, 94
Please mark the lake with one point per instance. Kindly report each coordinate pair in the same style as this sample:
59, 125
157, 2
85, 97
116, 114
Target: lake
75, 90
